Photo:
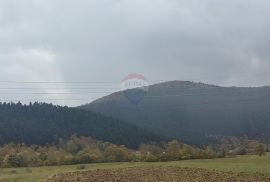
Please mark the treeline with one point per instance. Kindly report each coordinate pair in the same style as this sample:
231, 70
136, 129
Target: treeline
175, 150
243, 145
40, 123
82, 150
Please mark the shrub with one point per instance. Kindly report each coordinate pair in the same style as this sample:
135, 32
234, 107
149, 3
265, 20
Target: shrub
81, 167
13, 171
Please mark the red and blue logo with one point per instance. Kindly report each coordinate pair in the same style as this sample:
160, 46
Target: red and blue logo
135, 87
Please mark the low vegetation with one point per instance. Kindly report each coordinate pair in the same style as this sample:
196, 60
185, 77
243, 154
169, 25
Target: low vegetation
231, 145
84, 150
247, 164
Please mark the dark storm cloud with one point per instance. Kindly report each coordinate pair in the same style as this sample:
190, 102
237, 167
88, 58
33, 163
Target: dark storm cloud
224, 42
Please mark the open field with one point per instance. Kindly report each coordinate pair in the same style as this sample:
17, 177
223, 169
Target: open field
157, 174
247, 164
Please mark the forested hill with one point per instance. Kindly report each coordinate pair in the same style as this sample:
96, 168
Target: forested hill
44, 123
191, 111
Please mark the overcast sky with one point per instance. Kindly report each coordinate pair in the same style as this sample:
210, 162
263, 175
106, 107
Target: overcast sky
224, 42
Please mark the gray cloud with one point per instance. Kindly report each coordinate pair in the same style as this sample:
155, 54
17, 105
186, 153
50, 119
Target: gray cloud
219, 42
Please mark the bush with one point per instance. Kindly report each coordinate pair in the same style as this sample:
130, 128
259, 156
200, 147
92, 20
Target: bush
260, 149
15, 161
150, 158
13, 171
28, 170
81, 167
116, 154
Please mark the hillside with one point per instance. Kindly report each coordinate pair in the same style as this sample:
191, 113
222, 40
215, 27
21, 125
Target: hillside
44, 123
192, 111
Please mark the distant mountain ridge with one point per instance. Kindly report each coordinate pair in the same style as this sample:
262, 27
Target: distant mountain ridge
42, 124
191, 111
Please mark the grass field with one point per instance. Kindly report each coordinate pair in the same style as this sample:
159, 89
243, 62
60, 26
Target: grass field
250, 164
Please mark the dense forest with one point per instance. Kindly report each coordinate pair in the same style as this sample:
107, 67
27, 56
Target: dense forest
41, 124
193, 111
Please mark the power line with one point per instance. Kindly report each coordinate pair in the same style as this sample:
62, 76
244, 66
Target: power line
142, 107
45, 99
211, 89
217, 92
54, 82
70, 82
53, 88
55, 93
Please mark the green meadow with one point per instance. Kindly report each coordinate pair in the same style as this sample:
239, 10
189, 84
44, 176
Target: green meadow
248, 163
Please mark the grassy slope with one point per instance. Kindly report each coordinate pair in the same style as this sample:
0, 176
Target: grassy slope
238, 164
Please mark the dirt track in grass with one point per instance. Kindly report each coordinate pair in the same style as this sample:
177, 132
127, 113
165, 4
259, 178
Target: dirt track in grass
158, 174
